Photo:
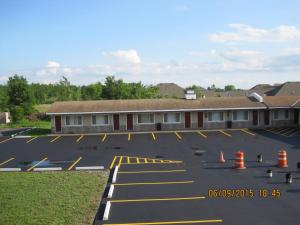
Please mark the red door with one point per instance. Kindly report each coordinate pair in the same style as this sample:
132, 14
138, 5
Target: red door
267, 117
255, 118
200, 119
187, 116
57, 120
129, 122
116, 122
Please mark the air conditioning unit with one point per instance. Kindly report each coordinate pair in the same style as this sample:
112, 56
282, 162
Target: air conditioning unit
256, 96
190, 95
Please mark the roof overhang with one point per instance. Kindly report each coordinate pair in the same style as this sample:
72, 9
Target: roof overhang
159, 110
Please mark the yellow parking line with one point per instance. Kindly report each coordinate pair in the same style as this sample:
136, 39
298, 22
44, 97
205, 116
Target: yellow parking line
200, 133
1, 164
128, 160
170, 222
6, 140
71, 167
30, 140
157, 199
120, 161
155, 183
137, 160
284, 130
225, 133
152, 171
248, 132
153, 136
290, 131
113, 162
55, 139
129, 136
35, 165
78, 139
104, 137
178, 136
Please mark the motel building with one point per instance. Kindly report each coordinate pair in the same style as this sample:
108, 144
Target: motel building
100, 116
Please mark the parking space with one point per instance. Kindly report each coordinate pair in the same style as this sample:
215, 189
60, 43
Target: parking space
285, 131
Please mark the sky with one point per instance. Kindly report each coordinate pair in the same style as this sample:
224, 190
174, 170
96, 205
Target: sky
200, 42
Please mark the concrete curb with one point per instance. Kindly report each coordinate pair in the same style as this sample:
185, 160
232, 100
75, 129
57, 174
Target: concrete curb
114, 178
47, 169
107, 210
89, 168
111, 191
21, 132
10, 169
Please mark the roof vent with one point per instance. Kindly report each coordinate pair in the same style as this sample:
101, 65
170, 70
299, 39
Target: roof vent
256, 96
190, 95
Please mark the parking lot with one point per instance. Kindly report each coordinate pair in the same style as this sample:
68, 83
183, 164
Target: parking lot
162, 181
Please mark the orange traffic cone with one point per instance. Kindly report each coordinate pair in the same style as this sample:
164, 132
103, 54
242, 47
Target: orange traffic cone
239, 160
282, 159
221, 158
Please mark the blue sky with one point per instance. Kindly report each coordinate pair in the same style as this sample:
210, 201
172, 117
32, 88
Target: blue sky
186, 42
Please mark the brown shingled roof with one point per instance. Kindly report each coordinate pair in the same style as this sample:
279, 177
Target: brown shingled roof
280, 101
137, 105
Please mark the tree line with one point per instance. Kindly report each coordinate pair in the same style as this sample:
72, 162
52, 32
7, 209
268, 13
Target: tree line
18, 96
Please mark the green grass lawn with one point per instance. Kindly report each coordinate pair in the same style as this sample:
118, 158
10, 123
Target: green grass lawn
50, 198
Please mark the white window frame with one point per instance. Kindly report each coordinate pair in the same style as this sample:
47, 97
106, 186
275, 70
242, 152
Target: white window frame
98, 124
278, 110
180, 121
72, 125
137, 118
215, 121
242, 119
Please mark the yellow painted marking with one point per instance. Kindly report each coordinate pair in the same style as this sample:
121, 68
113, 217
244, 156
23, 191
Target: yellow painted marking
137, 160
146, 161
284, 130
77, 161
6, 140
30, 140
104, 137
155, 183
290, 131
1, 164
35, 165
170, 222
78, 139
55, 139
152, 171
160, 161
157, 199
225, 133
113, 162
248, 132
128, 160
153, 136
129, 136
178, 136
200, 133
120, 161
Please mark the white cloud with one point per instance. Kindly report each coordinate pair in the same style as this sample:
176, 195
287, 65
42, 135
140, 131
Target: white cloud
3, 79
130, 56
246, 33
52, 72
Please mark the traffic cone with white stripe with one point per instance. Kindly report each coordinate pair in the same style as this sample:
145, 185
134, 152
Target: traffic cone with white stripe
221, 158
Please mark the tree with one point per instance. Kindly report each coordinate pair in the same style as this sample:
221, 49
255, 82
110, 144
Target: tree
19, 97
91, 92
229, 87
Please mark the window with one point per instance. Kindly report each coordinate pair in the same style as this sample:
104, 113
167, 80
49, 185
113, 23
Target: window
281, 115
73, 121
215, 116
100, 120
145, 118
172, 118
240, 116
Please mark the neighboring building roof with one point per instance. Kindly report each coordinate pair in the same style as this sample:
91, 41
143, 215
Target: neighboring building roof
170, 90
144, 105
285, 89
263, 89
280, 101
